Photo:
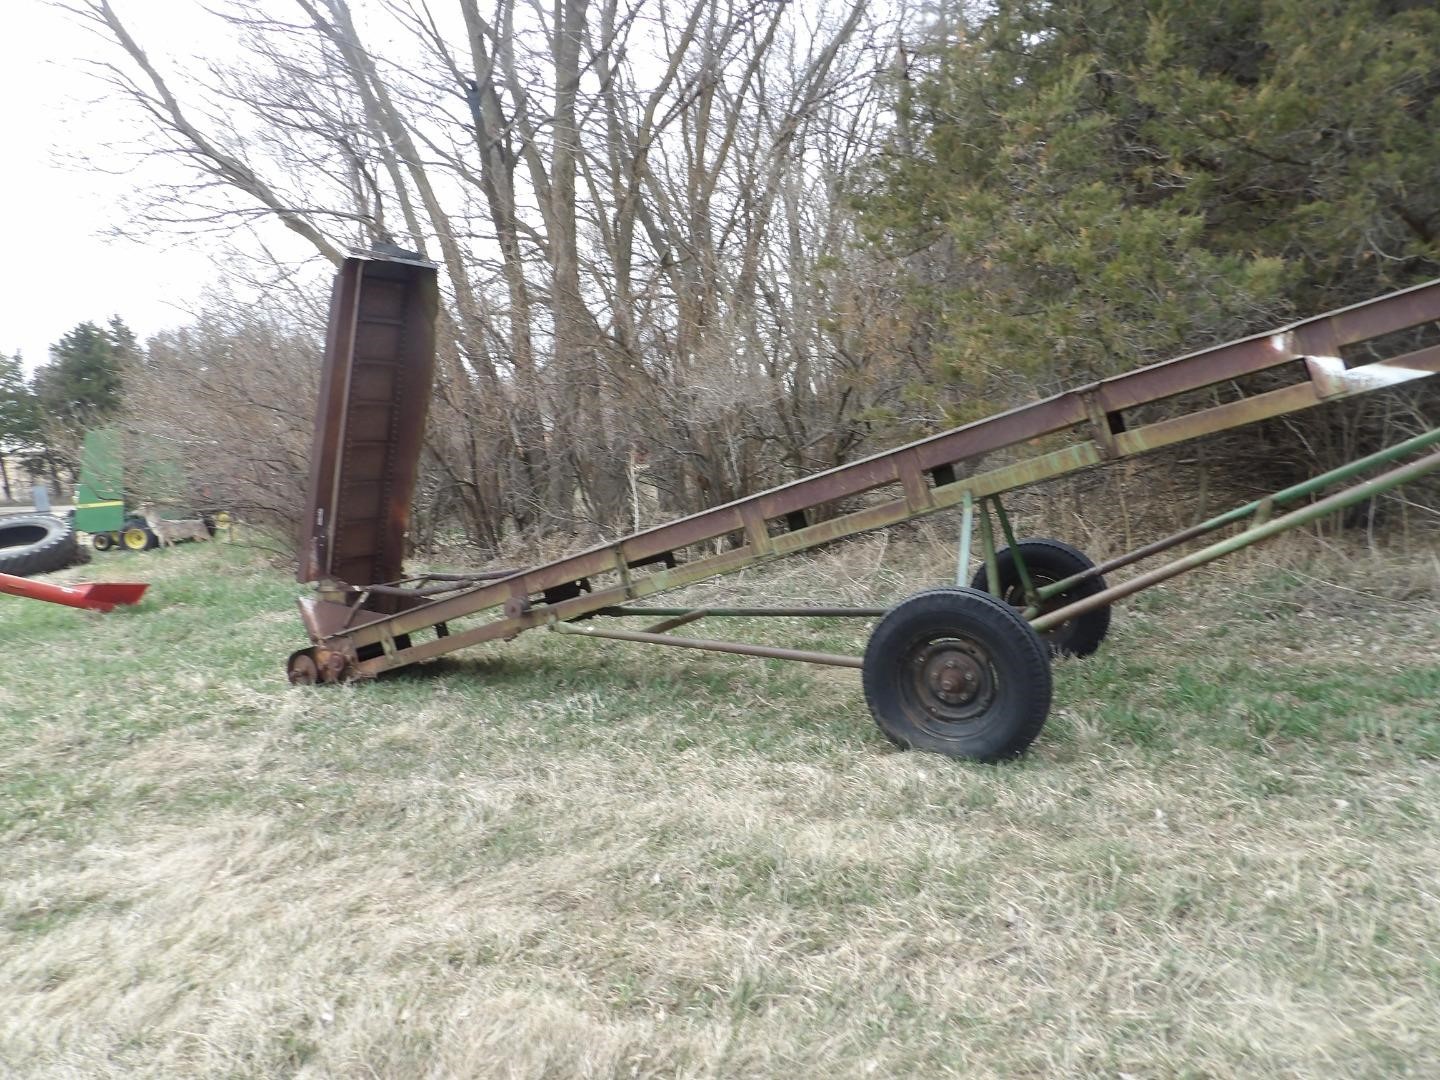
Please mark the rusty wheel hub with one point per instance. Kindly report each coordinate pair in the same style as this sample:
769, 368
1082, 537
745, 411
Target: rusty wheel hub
302, 670
953, 679
310, 666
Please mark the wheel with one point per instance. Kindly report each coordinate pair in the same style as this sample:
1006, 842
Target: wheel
138, 538
301, 669
957, 672
1049, 561
104, 541
35, 544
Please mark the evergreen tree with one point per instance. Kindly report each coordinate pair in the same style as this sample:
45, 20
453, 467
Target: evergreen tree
19, 415
1092, 185
83, 382
81, 387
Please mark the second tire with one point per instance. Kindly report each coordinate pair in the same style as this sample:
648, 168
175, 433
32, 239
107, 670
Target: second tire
1047, 562
35, 544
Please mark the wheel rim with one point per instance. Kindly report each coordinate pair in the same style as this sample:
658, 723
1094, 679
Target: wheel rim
302, 670
135, 539
1015, 597
952, 683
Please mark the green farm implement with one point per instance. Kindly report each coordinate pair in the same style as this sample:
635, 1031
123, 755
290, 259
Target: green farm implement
961, 669
100, 500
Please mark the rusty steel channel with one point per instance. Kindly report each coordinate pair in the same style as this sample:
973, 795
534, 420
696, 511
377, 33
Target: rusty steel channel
377, 379
374, 396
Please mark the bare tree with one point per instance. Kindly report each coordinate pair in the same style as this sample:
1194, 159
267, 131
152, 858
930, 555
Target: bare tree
636, 209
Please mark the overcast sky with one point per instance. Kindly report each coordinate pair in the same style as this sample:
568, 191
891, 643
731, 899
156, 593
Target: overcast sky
58, 269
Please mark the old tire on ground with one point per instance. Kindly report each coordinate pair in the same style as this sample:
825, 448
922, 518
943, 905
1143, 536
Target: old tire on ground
35, 544
1049, 561
957, 672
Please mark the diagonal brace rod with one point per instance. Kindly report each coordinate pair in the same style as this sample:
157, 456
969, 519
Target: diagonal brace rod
1286, 495
739, 648
1329, 505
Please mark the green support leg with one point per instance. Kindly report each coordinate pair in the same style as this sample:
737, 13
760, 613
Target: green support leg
987, 540
1031, 596
967, 528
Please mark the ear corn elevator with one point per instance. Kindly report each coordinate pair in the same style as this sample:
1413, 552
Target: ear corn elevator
963, 670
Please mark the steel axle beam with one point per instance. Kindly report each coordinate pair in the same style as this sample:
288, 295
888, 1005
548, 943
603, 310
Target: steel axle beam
737, 647
753, 612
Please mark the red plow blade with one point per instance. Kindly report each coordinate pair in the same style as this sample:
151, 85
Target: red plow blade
96, 596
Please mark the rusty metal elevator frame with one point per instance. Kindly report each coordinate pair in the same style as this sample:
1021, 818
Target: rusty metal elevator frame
377, 380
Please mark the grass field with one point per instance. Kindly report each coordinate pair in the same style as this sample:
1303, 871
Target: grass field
562, 858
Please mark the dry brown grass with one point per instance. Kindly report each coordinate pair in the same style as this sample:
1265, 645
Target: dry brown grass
565, 859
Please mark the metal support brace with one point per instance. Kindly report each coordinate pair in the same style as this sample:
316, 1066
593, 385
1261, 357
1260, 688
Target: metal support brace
1341, 500
1031, 596
738, 648
987, 541
666, 625
622, 565
967, 529
1260, 509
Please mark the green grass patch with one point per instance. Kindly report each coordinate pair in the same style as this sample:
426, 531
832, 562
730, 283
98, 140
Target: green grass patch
557, 857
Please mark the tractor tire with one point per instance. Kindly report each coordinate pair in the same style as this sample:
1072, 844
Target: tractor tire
138, 538
35, 544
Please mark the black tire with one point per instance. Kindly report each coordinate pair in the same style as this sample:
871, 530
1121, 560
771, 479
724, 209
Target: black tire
35, 544
957, 672
103, 541
1049, 561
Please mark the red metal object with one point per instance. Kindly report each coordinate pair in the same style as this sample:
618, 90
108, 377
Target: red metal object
95, 596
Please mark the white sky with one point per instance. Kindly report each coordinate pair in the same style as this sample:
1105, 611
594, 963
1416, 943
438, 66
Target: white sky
57, 269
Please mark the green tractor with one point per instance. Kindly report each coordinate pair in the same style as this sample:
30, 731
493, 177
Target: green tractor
100, 504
